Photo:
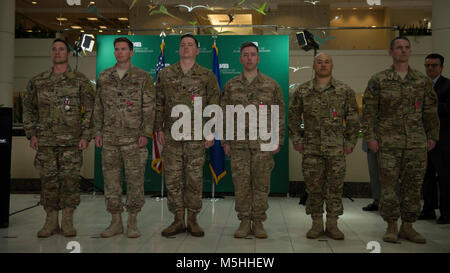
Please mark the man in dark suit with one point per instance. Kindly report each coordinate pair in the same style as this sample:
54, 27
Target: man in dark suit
438, 158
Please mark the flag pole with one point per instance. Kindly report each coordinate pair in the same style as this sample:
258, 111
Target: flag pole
214, 36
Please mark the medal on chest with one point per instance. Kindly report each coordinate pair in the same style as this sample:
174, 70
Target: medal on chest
192, 97
67, 104
417, 105
335, 113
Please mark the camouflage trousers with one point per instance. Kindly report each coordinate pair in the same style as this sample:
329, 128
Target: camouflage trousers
324, 179
251, 169
401, 176
127, 161
59, 169
183, 170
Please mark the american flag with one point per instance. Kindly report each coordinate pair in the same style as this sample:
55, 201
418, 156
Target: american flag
160, 65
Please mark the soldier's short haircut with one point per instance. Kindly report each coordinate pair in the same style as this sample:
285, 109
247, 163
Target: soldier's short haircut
436, 56
189, 36
62, 41
399, 38
123, 39
249, 44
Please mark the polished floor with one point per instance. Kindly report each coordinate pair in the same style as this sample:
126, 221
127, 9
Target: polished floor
286, 225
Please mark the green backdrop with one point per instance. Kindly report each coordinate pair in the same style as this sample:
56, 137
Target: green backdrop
274, 52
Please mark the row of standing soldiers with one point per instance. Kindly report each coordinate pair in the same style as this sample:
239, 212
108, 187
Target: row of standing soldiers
61, 115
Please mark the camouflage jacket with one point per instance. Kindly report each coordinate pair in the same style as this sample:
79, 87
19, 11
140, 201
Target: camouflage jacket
173, 87
262, 92
330, 117
124, 108
57, 108
400, 113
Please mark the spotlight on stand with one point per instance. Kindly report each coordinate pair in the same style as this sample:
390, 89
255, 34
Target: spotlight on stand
86, 43
306, 40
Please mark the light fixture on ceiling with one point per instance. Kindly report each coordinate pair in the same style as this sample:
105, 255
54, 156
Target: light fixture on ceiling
92, 18
100, 30
76, 27
122, 19
61, 19
354, 8
34, 2
30, 30
119, 30
103, 27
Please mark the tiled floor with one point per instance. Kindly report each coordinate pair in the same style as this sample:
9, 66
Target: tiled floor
286, 225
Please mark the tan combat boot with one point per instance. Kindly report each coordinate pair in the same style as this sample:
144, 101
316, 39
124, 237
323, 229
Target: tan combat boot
332, 229
67, 223
317, 227
258, 230
192, 226
132, 230
244, 229
391, 232
51, 225
407, 232
177, 225
115, 227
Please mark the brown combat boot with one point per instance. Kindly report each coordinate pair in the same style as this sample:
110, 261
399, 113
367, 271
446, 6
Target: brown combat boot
258, 230
192, 226
244, 229
332, 229
317, 227
51, 225
67, 223
391, 233
115, 228
177, 225
407, 232
132, 230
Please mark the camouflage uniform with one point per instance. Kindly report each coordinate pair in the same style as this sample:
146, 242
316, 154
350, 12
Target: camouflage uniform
331, 122
124, 111
57, 111
405, 113
251, 168
183, 160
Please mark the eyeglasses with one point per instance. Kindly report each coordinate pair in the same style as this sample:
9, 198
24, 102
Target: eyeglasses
432, 65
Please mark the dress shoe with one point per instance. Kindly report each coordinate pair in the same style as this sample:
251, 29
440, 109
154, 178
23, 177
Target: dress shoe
427, 215
371, 207
443, 220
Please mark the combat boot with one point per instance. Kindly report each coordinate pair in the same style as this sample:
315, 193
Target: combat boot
244, 229
115, 227
258, 230
407, 232
67, 223
177, 225
51, 225
391, 235
317, 227
332, 229
132, 230
192, 226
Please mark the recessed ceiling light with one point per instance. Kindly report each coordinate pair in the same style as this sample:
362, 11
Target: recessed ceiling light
122, 19
76, 27
92, 3
100, 30
354, 8
339, 8
82, 31
92, 19
61, 19
374, 26
34, 2
103, 27
119, 30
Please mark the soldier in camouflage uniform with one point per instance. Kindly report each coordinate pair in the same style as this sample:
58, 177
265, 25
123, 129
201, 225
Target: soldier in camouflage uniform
250, 166
180, 84
57, 113
329, 110
400, 124
124, 114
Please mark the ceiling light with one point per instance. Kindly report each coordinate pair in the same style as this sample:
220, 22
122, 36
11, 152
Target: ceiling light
122, 19
354, 8
103, 27
92, 3
82, 31
34, 2
374, 26
119, 30
100, 31
30, 30
76, 27
61, 19
339, 8
371, 8
92, 19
